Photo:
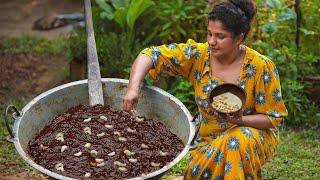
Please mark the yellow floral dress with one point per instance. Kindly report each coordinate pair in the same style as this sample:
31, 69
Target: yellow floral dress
226, 151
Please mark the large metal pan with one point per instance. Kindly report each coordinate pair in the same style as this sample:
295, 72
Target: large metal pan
153, 103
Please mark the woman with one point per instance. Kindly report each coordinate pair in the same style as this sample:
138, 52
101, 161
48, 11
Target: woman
235, 149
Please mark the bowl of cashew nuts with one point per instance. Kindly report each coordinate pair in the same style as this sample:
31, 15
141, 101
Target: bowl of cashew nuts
227, 100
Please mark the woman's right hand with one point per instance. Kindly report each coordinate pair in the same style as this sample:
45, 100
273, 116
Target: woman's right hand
140, 68
130, 100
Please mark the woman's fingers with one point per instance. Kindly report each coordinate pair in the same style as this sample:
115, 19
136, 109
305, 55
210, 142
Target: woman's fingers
127, 105
130, 101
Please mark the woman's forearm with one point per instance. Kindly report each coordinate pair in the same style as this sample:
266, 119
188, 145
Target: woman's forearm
139, 70
259, 121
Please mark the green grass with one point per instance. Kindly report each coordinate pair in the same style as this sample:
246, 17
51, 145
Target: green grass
35, 44
297, 156
10, 161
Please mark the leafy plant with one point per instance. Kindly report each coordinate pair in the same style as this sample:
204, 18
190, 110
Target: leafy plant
116, 54
124, 12
183, 90
179, 20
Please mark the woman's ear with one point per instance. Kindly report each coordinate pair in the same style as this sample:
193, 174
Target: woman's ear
240, 38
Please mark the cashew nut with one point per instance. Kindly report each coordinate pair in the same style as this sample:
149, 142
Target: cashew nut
128, 153
119, 163
100, 164
123, 169
104, 118
155, 164
99, 160
87, 120
101, 134
59, 167
78, 153
108, 126
87, 130
111, 154
144, 146
117, 133
123, 139
93, 153
63, 148
131, 130
87, 145
163, 153
133, 160
59, 137
87, 175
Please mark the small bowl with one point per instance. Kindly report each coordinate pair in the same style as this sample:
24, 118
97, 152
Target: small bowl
235, 90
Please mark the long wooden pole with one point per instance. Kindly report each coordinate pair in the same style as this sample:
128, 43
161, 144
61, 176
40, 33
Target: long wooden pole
94, 76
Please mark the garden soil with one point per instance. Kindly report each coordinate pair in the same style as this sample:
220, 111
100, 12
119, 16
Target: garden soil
24, 76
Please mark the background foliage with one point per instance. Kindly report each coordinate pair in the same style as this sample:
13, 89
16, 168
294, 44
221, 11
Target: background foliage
120, 39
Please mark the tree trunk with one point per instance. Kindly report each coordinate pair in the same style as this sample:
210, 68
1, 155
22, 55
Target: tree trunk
298, 22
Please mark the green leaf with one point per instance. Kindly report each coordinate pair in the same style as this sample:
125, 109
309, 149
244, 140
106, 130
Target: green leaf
307, 32
103, 5
182, 31
288, 15
107, 9
106, 15
137, 7
269, 28
120, 16
180, 3
274, 4
166, 26
120, 3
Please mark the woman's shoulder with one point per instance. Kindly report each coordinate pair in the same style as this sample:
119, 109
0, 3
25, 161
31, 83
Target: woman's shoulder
199, 45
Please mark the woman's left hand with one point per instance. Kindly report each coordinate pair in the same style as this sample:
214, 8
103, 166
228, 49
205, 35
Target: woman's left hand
231, 119
235, 120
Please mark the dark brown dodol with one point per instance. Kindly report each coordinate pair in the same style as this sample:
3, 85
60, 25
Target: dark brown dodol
160, 145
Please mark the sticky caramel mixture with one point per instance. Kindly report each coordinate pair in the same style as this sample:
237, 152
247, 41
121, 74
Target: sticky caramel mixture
102, 143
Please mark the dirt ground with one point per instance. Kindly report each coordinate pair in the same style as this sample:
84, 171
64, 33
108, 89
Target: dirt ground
18, 16
18, 176
24, 76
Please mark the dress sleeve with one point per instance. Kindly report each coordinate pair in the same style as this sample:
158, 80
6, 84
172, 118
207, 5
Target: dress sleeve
173, 59
268, 94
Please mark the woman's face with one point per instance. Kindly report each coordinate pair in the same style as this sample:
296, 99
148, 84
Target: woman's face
221, 41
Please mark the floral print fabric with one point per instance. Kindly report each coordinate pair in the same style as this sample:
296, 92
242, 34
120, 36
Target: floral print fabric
225, 147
